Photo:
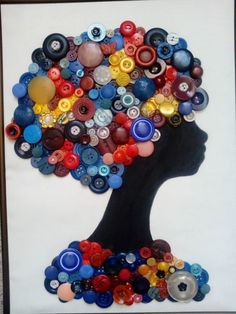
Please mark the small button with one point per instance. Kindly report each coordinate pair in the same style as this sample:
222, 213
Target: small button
200, 99
99, 184
102, 75
78, 172
155, 36
83, 109
71, 161
51, 285
19, 90
108, 92
65, 293
86, 271
63, 276
190, 117
145, 56
89, 156
156, 136
61, 170
104, 300
103, 132
96, 32
103, 117
23, 116
115, 181
22, 148
127, 28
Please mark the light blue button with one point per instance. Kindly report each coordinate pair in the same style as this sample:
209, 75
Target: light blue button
19, 90
96, 32
86, 271
104, 170
33, 68
92, 171
32, 134
63, 276
115, 181
196, 269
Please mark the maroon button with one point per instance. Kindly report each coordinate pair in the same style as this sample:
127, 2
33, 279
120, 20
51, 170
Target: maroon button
53, 139
120, 136
183, 87
13, 131
158, 120
106, 146
101, 283
85, 139
61, 170
66, 89
87, 83
83, 109
71, 55
145, 56
52, 104
159, 248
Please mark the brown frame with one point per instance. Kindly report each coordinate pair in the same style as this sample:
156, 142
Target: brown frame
3, 204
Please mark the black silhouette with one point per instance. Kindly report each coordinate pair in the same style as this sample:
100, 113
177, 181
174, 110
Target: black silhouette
125, 224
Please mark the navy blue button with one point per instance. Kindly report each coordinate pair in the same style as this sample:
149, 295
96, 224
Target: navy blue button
38, 55
32, 133
69, 260
144, 88
104, 300
78, 295
112, 265
25, 101
117, 106
155, 36
89, 296
22, 148
146, 298
44, 167
85, 179
51, 272
75, 66
76, 286
140, 285
26, 78
74, 245
51, 285
203, 278
78, 172
99, 184
200, 100
199, 296
23, 116
89, 156
35, 161
46, 64
182, 60
142, 129
117, 169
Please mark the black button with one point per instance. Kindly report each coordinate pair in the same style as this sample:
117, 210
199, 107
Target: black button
74, 130
155, 36
55, 46
23, 149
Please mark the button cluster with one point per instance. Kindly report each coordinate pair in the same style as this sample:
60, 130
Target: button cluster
86, 270
90, 104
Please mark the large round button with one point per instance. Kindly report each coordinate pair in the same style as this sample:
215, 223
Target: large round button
200, 100
69, 260
182, 286
99, 184
104, 300
32, 134
103, 117
182, 60
23, 116
83, 109
144, 88
145, 56
73, 131
155, 36
102, 75
53, 139
183, 87
142, 129
41, 89
90, 54
101, 283
55, 46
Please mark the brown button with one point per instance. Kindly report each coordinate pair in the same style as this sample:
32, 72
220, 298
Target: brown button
120, 136
83, 109
53, 139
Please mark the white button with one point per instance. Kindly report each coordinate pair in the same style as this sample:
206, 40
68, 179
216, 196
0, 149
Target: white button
172, 39
102, 75
190, 117
103, 132
156, 136
133, 112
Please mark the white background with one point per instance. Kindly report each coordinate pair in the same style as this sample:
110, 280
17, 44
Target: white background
195, 214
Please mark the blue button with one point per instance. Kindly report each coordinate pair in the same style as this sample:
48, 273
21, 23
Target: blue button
196, 269
33, 68
142, 129
19, 90
104, 299
25, 101
51, 272
45, 167
104, 170
185, 107
89, 156
74, 245
108, 91
203, 278
89, 296
37, 151
182, 60
117, 169
146, 298
205, 288
51, 285
23, 116
35, 161
99, 184
93, 94
118, 39
144, 88
74, 276
165, 50
85, 179
199, 296
69, 260
92, 171
115, 181
182, 44
63, 276
78, 172
86, 271
75, 66
32, 134
66, 74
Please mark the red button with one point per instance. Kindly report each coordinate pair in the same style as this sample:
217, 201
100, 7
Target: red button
87, 83
54, 74
84, 245
128, 161
83, 109
145, 252
106, 253
122, 294
101, 283
68, 146
125, 274
145, 56
95, 248
132, 150
127, 28
119, 156
71, 161
121, 117
66, 89
13, 131
96, 259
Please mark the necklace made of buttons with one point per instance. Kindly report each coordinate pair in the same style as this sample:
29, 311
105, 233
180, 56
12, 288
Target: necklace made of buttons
89, 105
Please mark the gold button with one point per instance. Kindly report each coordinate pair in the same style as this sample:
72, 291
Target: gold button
127, 65
167, 109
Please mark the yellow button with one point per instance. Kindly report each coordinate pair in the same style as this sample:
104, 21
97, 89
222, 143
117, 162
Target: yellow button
179, 264
153, 279
123, 79
41, 89
127, 65
37, 108
151, 261
114, 59
143, 269
57, 112
115, 70
163, 266
72, 99
159, 99
167, 109
64, 104
45, 108
47, 120
148, 109
170, 98
120, 53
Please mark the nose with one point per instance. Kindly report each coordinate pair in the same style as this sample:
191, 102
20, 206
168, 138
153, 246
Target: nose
204, 136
